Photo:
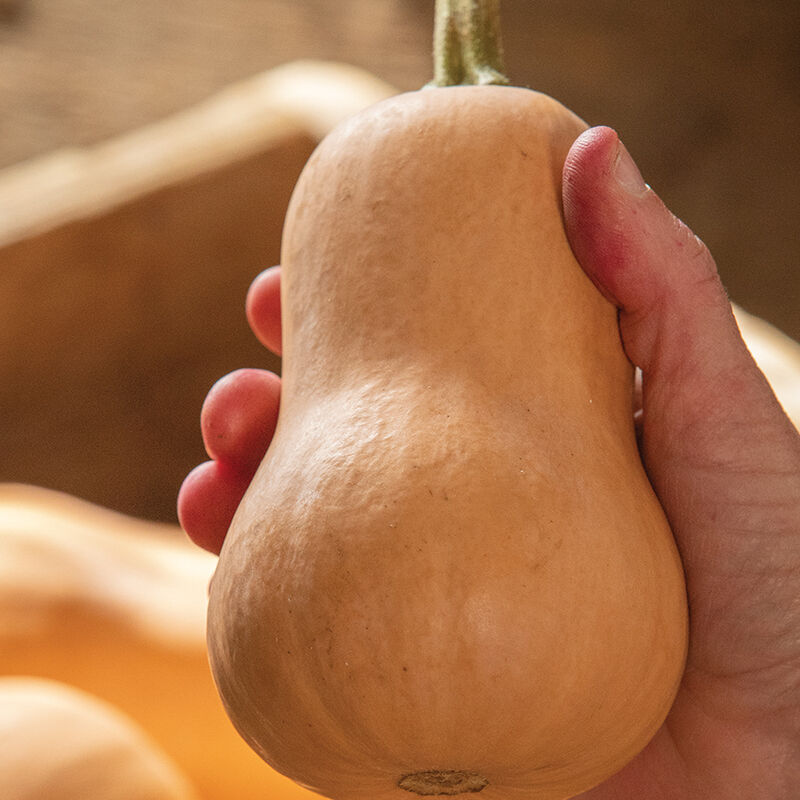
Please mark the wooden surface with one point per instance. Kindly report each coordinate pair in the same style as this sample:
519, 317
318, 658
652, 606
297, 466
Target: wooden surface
705, 97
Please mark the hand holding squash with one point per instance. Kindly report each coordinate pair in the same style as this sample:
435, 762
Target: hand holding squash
714, 453
724, 460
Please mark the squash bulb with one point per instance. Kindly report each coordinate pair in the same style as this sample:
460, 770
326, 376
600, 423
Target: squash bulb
450, 574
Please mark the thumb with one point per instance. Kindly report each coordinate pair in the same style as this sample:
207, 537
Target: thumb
702, 392
645, 260
721, 454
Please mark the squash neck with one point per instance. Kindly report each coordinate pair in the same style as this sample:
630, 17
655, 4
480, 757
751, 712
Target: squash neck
467, 47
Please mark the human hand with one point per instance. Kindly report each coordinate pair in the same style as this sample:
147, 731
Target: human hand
722, 456
724, 461
237, 422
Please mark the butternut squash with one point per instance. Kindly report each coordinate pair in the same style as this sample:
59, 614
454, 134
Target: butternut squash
450, 574
58, 743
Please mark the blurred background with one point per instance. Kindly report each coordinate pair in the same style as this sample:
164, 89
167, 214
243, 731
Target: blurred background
705, 96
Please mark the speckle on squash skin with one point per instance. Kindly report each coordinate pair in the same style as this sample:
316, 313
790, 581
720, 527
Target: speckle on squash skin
440, 493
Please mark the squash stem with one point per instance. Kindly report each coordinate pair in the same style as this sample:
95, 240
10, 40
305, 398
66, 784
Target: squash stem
467, 46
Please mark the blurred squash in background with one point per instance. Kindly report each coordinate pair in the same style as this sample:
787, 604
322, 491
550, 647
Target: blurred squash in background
113, 607
58, 743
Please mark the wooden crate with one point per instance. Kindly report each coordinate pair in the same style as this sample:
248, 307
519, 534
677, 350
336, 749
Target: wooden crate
123, 274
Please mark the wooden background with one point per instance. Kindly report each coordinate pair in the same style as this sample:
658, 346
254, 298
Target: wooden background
704, 95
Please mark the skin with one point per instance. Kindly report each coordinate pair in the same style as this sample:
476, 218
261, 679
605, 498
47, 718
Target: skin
720, 452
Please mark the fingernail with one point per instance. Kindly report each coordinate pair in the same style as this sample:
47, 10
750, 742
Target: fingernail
627, 173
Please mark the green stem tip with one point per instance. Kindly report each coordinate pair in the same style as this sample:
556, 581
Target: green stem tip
467, 47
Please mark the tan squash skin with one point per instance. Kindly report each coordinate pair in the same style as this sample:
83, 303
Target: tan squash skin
450, 559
